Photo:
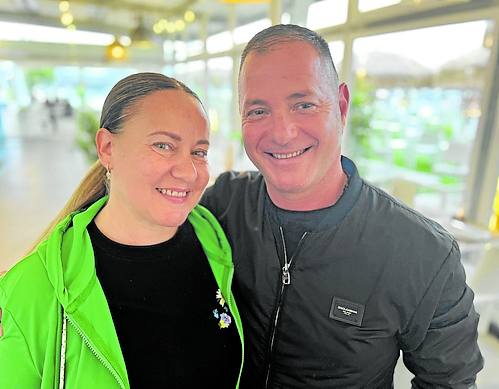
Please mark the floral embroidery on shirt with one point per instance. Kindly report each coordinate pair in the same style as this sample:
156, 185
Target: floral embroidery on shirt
223, 317
225, 321
220, 298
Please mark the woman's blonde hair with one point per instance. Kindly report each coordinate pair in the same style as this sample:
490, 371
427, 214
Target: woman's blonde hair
117, 107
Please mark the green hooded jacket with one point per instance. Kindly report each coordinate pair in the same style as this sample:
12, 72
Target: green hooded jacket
58, 280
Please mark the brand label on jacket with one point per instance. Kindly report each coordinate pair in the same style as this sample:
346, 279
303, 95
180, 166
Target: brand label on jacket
346, 311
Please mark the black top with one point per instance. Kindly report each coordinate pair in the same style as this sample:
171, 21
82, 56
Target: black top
295, 223
167, 312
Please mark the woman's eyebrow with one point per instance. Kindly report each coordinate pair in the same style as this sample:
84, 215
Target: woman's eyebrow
177, 137
172, 135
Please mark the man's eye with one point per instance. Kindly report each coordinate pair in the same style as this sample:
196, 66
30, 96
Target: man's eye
201, 153
305, 106
255, 113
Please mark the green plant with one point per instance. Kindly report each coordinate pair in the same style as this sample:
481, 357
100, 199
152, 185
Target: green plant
41, 76
399, 158
88, 124
361, 114
424, 163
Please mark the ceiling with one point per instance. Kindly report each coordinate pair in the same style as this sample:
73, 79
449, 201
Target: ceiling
119, 17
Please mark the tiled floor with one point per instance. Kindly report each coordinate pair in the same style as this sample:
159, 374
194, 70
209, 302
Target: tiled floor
37, 175
39, 171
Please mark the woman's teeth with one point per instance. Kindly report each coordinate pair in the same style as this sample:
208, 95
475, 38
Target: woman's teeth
172, 193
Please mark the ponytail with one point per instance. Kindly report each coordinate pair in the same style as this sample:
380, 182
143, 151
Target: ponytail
91, 188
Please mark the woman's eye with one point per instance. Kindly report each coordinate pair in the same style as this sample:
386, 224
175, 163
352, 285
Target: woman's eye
162, 146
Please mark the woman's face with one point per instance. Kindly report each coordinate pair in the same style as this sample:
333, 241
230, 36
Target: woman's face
158, 161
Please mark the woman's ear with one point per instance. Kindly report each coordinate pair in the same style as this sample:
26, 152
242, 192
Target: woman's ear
104, 143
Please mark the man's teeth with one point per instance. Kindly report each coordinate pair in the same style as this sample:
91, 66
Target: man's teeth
172, 193
288, 155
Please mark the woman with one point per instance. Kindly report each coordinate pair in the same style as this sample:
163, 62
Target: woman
124, 292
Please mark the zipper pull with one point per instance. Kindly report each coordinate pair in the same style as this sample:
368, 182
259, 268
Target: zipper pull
286, 277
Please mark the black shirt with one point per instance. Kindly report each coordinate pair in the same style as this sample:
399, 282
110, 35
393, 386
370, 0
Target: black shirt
295, 223
167, 312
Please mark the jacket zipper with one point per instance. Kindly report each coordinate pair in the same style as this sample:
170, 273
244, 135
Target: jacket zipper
94, 351
285, 280
229, 303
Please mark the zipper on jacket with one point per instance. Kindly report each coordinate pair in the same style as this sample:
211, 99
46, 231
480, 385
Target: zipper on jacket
285, 280
229, 303
94, 351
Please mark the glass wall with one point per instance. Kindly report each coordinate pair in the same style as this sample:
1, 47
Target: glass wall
221, 112
415, 110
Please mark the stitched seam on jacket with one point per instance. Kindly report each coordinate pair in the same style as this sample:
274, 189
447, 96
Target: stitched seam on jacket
454, 247
420, 217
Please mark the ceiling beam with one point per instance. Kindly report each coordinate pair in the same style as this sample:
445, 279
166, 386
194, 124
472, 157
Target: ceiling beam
42, 20
138, 8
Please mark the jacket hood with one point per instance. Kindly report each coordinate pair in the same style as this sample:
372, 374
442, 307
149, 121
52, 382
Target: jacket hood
65, 254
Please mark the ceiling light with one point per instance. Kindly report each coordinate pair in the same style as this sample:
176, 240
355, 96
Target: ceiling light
170, 27
179, 25
157, 28
163, 23
64, 6
116, 51
189, 16
66, 18
125, 40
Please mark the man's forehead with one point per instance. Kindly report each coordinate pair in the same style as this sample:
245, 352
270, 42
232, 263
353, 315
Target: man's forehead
281, 60
289, 47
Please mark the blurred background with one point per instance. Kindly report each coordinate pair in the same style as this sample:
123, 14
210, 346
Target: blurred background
423, 122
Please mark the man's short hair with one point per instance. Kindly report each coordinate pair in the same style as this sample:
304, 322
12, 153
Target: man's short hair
283, 33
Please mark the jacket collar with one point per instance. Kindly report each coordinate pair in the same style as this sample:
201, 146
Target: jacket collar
215, 246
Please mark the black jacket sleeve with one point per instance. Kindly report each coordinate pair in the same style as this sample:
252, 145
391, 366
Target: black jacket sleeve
440, 342
216, 197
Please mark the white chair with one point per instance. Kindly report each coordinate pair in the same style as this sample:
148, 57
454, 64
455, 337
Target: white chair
484, 280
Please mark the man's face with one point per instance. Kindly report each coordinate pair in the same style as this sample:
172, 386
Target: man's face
292, 122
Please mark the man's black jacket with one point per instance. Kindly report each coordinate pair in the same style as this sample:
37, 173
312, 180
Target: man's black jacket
383, 279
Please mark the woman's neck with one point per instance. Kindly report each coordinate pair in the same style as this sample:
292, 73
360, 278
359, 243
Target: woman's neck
121, 226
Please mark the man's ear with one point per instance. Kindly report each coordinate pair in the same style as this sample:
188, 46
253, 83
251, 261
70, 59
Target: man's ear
344, 100
104, 143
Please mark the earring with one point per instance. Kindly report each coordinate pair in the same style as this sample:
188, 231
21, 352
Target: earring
108, 173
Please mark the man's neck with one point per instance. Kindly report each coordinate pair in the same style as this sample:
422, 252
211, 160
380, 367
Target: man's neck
328, 195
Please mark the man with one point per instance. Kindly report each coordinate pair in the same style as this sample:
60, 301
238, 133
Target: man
333, 276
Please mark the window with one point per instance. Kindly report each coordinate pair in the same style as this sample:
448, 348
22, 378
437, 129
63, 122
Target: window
337, 48
221, 112
415, 109
327, 13
369, 5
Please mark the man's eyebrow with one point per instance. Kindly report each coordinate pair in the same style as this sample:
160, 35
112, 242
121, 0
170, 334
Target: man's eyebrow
249, 103
203, 142
298, 95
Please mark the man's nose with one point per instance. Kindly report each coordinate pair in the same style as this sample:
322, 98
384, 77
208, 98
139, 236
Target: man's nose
184, 168
284, 128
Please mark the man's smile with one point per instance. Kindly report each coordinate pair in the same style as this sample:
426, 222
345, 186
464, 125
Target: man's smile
292, 154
